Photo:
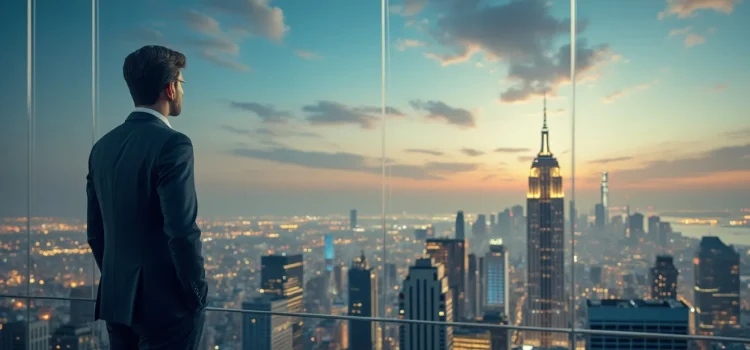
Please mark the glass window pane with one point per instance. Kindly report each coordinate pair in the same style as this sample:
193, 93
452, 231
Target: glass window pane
14, 128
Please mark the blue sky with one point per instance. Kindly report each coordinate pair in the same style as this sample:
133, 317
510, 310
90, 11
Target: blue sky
282, 100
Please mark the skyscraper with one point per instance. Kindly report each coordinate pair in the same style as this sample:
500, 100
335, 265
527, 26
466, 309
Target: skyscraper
545, 230
635, 226
283, 275
664, 278
363, 301
329, 251
263, 331
480, 226
496, 281
604, 196
717, 286
599, 217
353, 219
426, 296
663, 316
451, 253
505, 223
473, 302
460, 225
654, 222
665, 230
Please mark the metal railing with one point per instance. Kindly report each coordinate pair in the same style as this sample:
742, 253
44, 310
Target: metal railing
488, 326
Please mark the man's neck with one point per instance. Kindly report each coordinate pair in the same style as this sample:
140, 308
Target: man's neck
163, 110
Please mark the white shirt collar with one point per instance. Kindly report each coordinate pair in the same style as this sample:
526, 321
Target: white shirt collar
154, 113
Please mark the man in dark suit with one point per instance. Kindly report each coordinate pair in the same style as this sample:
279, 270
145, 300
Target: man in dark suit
142, 208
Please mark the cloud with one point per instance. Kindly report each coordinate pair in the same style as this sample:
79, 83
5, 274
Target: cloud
334, 113
202, 23
440, 111
536, 63
627, 91
525, 159
724, 159
609, 160
686, 8
472, 152
425, 151
269, 132
308, 55
680, 31
147, 35
403, 44
488, 177
512, 150
738, 134
215, 45
352, 162
266, 112
693, 39
225, 62
719, 87
413, 7
257, 17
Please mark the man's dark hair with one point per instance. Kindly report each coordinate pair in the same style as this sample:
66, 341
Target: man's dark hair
149, 69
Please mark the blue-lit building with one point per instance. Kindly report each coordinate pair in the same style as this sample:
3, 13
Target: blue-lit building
496, 290
329, 251
651, 316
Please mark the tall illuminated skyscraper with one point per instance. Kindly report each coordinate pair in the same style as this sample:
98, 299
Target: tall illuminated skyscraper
717, 286
426, 296
546, 256
605, 196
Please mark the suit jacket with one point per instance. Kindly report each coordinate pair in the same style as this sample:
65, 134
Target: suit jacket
142, 208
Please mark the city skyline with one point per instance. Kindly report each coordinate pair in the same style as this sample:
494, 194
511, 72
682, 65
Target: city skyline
284, 111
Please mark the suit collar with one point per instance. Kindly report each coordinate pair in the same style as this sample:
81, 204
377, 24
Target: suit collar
147, 114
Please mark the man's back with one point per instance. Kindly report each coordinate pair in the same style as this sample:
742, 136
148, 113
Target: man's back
140, 174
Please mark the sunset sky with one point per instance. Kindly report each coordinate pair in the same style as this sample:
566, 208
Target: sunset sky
282, 101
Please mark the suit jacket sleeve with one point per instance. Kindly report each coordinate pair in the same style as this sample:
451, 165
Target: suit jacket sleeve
94, 222
179, 205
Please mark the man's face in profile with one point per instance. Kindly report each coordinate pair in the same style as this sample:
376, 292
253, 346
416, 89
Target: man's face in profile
175, 106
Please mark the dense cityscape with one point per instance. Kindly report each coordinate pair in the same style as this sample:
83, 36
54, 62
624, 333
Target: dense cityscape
505, 268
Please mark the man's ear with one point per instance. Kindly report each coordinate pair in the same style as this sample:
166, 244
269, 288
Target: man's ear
170, 91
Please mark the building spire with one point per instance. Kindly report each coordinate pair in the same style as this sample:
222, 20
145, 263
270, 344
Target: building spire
545, 150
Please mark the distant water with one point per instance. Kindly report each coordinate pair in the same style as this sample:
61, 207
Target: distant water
729, 235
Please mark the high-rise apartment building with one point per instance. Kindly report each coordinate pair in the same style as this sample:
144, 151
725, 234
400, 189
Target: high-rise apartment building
460, 226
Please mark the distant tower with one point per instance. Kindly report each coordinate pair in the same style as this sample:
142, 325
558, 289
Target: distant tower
545, 247
460, 225
605, 196
353, 219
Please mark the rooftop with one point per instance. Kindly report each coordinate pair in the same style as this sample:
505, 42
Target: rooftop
635, 303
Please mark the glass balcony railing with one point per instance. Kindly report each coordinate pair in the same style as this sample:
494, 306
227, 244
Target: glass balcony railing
563, 174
